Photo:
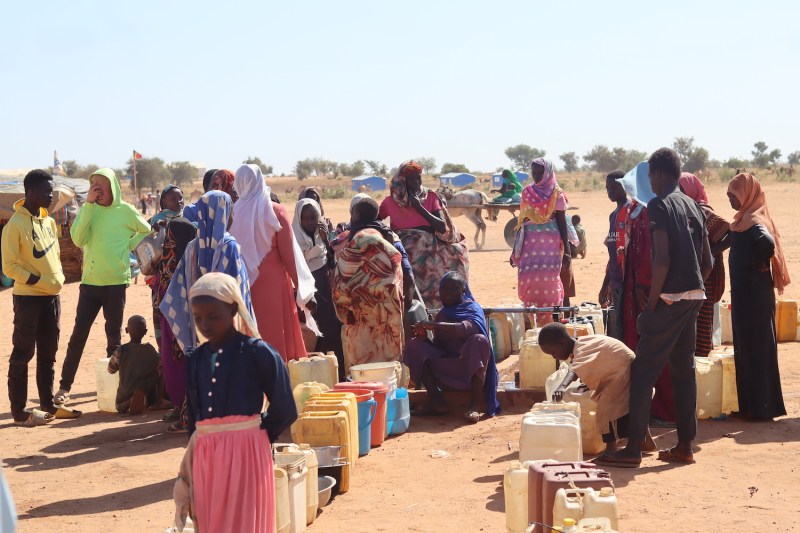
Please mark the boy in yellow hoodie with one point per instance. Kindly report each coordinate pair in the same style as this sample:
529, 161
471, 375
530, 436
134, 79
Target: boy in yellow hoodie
107, 229
31, 257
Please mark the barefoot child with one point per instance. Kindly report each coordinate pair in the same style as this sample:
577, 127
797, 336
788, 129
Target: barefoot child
603, 364
226, 477
139, 367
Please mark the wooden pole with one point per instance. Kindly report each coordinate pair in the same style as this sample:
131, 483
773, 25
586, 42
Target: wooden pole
135, 184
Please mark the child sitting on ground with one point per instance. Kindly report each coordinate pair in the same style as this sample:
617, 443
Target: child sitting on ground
139, 367
580, 249
603, 364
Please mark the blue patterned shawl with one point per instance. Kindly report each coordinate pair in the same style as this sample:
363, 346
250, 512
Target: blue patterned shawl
214, 250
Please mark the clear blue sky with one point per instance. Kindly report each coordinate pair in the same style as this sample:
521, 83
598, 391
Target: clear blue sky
459, 80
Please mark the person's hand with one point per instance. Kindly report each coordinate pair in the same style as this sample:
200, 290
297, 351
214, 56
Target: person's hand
413, 201
604, 298
158, 225
427, 325
641, 298
33, 279
322, 231
92, 196
558, 394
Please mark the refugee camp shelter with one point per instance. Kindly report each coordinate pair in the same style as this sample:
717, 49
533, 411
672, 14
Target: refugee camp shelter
456, 179
369, 183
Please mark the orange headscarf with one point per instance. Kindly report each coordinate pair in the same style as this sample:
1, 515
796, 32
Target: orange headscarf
747, 189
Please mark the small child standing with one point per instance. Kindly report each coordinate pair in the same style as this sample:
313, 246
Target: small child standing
603, 364
139, 367
226, 480
580, 249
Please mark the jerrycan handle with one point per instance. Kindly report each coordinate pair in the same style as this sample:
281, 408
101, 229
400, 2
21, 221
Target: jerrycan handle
372, 412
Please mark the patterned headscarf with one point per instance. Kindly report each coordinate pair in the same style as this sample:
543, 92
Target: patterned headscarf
213, 214
747, 189
693, 188
398, 185
540, 200
227, 180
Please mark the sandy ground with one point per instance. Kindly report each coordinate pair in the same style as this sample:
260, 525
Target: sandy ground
106, 472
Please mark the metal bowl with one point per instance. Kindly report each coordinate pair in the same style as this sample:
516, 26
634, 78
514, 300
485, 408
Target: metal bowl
326, 484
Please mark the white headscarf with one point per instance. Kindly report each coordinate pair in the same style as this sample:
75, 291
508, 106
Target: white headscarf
314, 250
254, 226
358, 198
254, 220
226, 289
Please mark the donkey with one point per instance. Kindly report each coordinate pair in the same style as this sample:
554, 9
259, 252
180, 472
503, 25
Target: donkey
468, 203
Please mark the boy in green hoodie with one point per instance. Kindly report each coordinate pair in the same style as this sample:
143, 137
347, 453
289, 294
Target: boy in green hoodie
107, 229
31, 257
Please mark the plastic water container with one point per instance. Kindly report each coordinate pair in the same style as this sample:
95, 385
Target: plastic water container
293, 462
317, 367
517, 330
535, 366
304, 391
345, 401
283, 515
730, 395
595, 525
107, 385
398, 413
569, 504
294, 451
515, 495
555, 437
326, 428
379, 390
556, 408
580, 329
500, 331
531, 334
555, 379
596, 313
709, 387
786, 320
591, 437
727, 323
602, 504
536, 472
566, 479
390, 373
366, 407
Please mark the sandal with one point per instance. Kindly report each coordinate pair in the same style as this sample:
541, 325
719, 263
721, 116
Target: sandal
61, 397
616, 461
35, 418
671, 456
65, 413
473, 417
177, 427
172, 416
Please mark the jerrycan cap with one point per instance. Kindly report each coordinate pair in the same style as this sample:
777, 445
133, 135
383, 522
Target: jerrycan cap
606, 491
515, 465
568, 522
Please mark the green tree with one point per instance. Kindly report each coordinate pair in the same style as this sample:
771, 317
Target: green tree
570, 161
428, 164
601, 158
447, 168
684, 146
303, 169
761, 158
793, 158
151, 172
376, 167
698, 160
352, 171
521, 156
265, 168
182, 173
735, 162
85, 171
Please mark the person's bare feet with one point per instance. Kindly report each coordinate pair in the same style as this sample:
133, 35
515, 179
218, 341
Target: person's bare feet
138, 402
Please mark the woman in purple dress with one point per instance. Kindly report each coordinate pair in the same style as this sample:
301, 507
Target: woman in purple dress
460, 356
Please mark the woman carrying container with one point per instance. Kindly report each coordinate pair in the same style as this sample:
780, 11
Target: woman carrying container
757, 267
460, 356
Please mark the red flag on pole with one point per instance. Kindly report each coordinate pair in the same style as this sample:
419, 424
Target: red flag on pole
136, 155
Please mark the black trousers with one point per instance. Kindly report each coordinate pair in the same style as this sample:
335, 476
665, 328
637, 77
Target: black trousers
36, 330
92, 298
667, 336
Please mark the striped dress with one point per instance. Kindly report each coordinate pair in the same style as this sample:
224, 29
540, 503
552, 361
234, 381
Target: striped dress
715, 284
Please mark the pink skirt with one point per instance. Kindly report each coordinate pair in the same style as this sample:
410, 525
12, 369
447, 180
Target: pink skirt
234, 484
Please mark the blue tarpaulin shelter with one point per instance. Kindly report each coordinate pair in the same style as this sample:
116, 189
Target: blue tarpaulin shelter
456, 179
372, 183
497, 179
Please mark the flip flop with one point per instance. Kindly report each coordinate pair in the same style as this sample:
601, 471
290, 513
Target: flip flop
61, 397
172, 416
177, 427
473, 417
669, 456
617, 462
65, 413
35, 418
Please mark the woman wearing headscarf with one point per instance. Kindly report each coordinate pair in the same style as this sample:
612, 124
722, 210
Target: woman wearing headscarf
757, 267
541, 250
212, 250
312, 193
510, 190
368, 291
718, 237
179, 233
460, 356
420, 218
312, 237
190, 211
275, 264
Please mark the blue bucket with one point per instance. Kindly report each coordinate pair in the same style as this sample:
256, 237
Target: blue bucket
366, 413
398, 415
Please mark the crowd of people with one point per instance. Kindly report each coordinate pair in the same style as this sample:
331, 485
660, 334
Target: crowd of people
240, 281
